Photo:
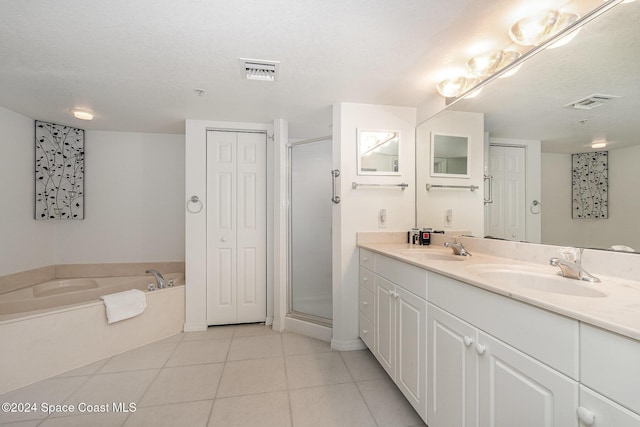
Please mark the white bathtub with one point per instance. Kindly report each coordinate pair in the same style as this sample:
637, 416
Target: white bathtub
59, 293
61, 324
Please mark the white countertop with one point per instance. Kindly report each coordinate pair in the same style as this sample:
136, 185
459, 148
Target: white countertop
618, 311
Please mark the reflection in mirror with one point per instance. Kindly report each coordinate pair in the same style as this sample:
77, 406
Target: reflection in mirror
378, 152
449, 155
562, 100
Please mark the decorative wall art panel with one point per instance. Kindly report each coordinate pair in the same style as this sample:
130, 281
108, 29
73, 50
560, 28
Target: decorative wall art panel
590, 181
59, 172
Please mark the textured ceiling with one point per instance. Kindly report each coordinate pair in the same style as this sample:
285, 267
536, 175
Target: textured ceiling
136, 64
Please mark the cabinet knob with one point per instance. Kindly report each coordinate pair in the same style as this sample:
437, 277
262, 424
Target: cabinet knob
223, 239
585, 416
365, 332
365, 303
480, 349
467, 341
365, 278
365, 259
394, 294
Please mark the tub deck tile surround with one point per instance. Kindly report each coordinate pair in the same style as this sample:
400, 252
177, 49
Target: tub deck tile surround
291, 381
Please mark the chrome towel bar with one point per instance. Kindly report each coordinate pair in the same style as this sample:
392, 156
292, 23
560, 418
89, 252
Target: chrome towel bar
355, 185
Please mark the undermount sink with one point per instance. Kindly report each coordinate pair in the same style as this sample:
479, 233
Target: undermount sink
541, 282
420, 254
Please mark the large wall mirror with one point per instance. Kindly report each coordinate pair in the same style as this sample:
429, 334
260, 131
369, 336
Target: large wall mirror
378, 152
565, 99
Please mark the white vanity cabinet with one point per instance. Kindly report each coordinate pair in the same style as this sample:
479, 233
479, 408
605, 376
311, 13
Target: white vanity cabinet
399, 323
476, 378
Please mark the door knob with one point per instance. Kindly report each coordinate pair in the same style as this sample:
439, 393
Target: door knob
585, 416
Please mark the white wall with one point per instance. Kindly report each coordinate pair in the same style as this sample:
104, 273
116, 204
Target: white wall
134, 201
24, 242
358, 209
621, 228
467, 206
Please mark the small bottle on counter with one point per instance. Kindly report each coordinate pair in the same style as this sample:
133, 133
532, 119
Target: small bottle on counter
414, 236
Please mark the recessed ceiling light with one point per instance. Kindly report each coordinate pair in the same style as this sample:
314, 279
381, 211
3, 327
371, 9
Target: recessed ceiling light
599, 143
82, 114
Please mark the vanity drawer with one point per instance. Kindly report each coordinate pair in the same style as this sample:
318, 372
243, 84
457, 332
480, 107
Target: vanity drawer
367, 333
407, 276
547, 337
366, 279
606, 412
366, 259
611, 365
366, 303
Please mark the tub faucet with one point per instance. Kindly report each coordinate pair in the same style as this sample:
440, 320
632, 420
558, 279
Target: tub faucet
457, 248
573, 270
158, 276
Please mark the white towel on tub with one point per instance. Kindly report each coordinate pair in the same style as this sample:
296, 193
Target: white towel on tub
124, 305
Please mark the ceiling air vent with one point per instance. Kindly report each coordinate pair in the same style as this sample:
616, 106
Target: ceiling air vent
257, 69
590, 102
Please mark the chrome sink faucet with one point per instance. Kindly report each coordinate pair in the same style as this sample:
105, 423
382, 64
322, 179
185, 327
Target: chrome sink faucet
158, 276
573, 269
457, 247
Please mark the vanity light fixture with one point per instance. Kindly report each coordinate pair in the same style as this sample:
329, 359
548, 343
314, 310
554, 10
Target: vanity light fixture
490, 62
82, 114
456, 86
374, 142
535, 29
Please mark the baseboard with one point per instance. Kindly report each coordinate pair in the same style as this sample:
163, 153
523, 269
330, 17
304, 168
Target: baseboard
277, 326
348, 345
195, 326
269, 321
309, 329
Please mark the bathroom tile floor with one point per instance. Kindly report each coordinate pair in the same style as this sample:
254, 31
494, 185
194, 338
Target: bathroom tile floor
244, 375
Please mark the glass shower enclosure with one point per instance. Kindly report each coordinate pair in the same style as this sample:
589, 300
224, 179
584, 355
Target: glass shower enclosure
310, 216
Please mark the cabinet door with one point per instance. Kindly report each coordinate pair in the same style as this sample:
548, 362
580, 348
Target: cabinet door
385, 325
516, 390
451, 371
411, 315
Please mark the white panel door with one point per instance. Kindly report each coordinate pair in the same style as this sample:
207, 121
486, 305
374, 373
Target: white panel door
507, 214
451, 371
236, 227
411, 345
385, 320
516, 390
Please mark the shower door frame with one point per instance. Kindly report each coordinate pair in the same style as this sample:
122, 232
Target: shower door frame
290, 311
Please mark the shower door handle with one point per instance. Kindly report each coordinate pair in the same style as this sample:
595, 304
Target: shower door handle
334, 198
490, 198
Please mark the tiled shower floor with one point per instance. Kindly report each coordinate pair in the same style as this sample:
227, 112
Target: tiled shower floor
246, 375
